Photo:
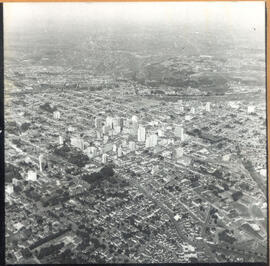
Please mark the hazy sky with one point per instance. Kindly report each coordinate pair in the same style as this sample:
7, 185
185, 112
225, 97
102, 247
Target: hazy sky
241, 14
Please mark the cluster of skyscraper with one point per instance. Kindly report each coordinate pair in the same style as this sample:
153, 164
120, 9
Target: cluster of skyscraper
136, 135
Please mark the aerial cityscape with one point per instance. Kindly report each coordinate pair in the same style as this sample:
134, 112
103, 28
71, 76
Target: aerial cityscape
134, 142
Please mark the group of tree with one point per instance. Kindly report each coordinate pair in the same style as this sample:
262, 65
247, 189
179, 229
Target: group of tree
72, 156
48, 107
50, 250
105, 172
11, 172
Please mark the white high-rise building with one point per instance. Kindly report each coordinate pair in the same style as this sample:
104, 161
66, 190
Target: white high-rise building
71, 129
160, 133
251, 109
148, 142
208, 107
233, 104
105, 139
56, 115
105, 129
163, 142
91, 152
104, 158
98, 122
107, 147
134, 119
114, 148
109, 121
9, 189
31, 176
141, 133
155, 169
188, 117
77, 142
99, 134
179, 152
124, 143
179, 132
117, 130
116, 121
15, 181
61, 141
132, 145
153, 140
40, 160
171, 141
119, 152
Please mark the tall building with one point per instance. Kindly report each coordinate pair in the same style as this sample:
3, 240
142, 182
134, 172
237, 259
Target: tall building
155, 169
31, 176
61, 141
233, 104
56, 115
188, 117
40, 161
114, 148
163, 142
133, 130
171, 141
91, 152
98, 122
153, 140
147, 142
9, 188
104, 158
121, 123
192, 110
105, 129
132, 145
117, 130
160, 133
124, 143
15, 181
251, 109
116, 121
71, 129
134, 119
107, 147
127, 122
119, 152
109, 121
105, 139
77, 142
179, 152
99, 134
208, 107
157, 149
179, 132
141, 133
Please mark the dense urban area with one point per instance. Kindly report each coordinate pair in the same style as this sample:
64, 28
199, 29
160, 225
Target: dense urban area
145, 156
